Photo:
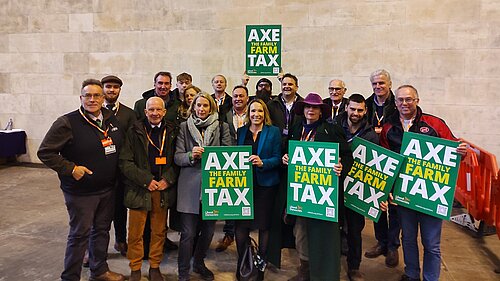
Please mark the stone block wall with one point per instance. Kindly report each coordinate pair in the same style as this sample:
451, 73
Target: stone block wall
447, 49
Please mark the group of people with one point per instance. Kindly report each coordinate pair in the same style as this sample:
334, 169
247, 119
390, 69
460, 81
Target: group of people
110, 158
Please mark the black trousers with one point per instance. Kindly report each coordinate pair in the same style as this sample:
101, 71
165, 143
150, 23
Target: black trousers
89, 221
355, 224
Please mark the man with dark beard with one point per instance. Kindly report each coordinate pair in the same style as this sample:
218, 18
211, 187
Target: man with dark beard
264, 90
355, 124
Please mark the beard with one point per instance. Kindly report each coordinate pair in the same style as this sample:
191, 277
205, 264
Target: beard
263, 94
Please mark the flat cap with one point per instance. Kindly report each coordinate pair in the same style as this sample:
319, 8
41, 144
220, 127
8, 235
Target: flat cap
111, 79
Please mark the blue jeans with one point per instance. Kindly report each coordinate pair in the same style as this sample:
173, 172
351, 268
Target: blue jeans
387, 229
89, 221
430, 232
191, 225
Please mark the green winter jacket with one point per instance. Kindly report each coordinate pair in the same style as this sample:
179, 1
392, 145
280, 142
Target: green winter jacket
134, 165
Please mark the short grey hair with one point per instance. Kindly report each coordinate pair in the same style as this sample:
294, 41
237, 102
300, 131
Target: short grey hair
380, 72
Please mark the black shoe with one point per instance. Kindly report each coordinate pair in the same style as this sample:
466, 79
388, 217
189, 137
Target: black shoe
169, 245
121, 247
376, 251
407, 278
202, 270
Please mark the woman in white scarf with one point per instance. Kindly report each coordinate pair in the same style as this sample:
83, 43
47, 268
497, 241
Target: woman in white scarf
201, 129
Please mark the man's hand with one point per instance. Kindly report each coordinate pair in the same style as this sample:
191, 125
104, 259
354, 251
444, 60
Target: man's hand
245, 78
153, 185
163, 184
337, 168
462, 148
80, 171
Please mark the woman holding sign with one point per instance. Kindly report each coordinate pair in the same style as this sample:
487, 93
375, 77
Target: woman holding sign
265, 140
318, 241
202, 128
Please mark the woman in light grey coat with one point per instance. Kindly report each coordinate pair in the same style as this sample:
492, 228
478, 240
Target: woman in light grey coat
201, 129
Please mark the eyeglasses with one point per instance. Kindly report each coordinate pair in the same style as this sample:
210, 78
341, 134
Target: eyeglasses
407, 100
331, 89
90, 96
262, 85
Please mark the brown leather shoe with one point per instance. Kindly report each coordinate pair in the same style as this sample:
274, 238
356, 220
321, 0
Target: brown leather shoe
121, 247
135, 275
108, 276
376, 251
355, 275
392, 259
155, 274
225, 242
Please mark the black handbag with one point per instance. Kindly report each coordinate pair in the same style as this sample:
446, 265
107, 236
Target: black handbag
251, 262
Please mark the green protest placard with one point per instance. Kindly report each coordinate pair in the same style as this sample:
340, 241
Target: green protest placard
263, 50
226, 183
371, 177
312, 184
426, 182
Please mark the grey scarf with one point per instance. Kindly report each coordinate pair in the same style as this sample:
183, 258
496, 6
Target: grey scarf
211, 124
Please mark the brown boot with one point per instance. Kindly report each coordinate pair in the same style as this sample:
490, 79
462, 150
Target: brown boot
376, 251
135, 275
155, 274
303, 272
225, 242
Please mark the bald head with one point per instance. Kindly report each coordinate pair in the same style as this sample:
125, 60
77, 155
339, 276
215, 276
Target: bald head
155, 110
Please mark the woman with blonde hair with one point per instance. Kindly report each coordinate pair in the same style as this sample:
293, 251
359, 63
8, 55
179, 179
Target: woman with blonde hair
189, 93
202, 128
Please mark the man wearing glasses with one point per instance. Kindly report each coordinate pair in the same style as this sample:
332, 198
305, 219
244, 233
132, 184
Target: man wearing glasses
336, 101
82, 147
410, 118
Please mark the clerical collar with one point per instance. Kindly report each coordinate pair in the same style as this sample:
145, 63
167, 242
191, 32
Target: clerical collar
155, 126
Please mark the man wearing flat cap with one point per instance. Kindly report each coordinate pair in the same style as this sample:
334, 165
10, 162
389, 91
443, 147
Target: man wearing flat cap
126, 116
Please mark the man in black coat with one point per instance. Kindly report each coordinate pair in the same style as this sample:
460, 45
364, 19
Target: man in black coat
82, 147
355, 124
126, 116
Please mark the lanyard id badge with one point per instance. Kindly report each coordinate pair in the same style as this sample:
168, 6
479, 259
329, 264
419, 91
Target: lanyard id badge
109, 147
161, 160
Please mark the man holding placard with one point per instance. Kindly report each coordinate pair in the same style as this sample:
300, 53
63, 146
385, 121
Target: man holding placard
425, 178
355, 124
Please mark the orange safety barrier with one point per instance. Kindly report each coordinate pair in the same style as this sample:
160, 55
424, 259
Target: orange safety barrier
478, 185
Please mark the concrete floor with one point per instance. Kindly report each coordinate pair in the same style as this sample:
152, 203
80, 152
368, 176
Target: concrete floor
33, 230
